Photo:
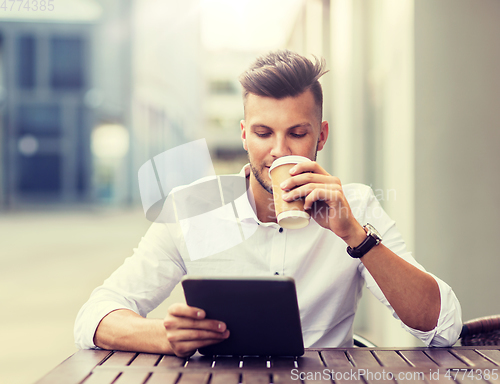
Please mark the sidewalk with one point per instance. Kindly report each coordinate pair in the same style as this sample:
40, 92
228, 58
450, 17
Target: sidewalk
49, 264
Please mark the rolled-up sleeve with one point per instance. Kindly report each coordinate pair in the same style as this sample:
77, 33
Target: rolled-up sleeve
142, 283
449, 325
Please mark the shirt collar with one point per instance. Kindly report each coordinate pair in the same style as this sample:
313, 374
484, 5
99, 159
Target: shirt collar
245, 203
245, 171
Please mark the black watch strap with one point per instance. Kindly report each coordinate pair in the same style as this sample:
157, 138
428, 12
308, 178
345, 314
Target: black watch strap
371, 240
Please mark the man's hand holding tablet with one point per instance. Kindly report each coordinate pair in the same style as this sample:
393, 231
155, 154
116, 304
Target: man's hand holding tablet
188, 329
261, 313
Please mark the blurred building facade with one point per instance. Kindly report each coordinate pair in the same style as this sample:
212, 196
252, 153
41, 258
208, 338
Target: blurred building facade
90, 92
223, 107
44, 118
142, 84
57, 89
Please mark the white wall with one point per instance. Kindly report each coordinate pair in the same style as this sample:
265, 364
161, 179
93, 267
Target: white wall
457, 110
373, 123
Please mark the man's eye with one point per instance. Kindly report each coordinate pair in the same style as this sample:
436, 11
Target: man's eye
266, 134
298, 134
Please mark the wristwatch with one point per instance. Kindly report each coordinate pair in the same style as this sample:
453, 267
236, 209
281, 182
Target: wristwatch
372, 239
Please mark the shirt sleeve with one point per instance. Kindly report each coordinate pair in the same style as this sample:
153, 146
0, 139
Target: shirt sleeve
142, 283
449, 324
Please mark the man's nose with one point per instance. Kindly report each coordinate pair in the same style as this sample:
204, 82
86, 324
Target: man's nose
280, 148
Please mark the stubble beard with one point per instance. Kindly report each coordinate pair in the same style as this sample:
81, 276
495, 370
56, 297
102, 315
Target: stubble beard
259, 174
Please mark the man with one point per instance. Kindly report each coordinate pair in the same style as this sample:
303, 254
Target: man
283, 116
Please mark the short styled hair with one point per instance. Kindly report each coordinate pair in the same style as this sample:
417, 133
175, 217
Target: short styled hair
284, 73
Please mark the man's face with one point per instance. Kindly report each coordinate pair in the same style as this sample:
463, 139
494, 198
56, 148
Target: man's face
279, 127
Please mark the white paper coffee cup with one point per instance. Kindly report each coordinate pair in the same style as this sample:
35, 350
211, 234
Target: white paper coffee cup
290, 215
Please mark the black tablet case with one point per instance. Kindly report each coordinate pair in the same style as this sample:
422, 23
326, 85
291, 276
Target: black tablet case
261, 314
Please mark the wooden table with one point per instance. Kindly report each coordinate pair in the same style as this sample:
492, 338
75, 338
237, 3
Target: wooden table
331, 365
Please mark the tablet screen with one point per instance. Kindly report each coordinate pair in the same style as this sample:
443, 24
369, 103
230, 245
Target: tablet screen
261, 314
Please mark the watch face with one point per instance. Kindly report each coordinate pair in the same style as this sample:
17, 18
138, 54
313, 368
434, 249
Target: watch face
373, 238
372, 231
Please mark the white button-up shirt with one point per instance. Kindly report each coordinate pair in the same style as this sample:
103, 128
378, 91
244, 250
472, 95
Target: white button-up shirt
229, 240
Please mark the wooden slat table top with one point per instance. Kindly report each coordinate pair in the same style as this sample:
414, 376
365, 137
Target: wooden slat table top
328, 365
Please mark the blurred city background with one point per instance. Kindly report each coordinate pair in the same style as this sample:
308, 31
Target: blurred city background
92, 89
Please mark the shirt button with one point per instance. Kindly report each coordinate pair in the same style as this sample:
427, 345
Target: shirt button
281, 230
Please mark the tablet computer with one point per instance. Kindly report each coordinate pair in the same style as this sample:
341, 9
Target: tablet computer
262, 313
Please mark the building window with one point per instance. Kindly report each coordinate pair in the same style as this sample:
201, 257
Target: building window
2, 85
26, 62
40, 173
39, 120
67, 63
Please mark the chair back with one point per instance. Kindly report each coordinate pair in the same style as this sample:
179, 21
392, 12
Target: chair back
481, 331
360, 341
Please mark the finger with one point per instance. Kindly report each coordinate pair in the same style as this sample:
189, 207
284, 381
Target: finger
184, 310
319, 193
188, 348
306, 178
320, 213
331, 197
298, 193
323, 192
307, 166
184, 335
174, 322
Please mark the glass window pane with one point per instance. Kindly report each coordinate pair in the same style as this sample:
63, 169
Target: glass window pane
40, 173
26, 62
83, 153
2, 80
39, 120
67, 64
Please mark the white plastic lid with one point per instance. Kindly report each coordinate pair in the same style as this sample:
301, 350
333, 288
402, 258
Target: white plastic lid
293, 219
293, 159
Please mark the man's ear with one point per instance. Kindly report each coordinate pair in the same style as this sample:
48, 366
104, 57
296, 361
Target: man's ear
323, 135
243, 134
